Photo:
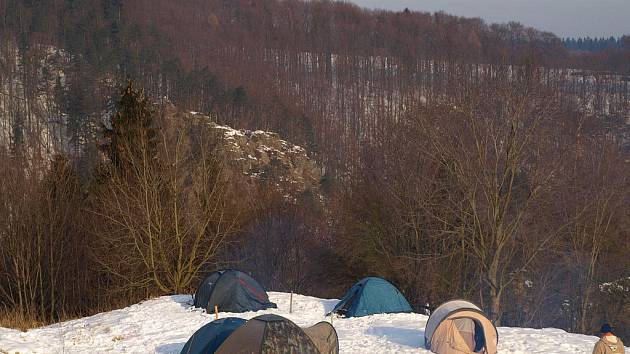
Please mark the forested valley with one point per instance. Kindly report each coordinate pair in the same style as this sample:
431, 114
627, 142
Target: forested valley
454, 157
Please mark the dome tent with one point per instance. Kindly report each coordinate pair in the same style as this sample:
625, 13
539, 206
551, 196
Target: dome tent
324, 335
371, 296
208, 338
232, 291
459, 326
268, 334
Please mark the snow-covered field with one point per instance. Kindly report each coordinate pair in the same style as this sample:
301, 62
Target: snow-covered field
164, 324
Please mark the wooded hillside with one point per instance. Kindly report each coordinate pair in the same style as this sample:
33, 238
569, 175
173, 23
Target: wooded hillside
457, 158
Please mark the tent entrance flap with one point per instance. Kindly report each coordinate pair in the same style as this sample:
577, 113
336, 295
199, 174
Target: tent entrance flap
343, 310
471, 332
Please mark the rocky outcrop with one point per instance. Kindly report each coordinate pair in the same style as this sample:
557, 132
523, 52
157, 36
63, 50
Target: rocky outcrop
264, 158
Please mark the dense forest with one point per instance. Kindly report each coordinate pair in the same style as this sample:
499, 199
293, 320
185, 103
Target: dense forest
595, 44
458, 158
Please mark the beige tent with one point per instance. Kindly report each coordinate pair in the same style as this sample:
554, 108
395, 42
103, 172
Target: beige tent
269, 334
324, 336
460, 327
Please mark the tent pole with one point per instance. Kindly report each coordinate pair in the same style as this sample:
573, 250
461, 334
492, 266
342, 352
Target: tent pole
291, 302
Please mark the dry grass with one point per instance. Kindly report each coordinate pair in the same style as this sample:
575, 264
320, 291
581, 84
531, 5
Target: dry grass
18, 320
11, 318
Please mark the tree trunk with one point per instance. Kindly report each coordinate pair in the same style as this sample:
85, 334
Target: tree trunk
495, 293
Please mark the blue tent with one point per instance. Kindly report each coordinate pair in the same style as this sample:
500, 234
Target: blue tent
209, 337
370, 296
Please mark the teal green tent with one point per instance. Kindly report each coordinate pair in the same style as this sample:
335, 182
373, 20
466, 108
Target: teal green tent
209, 337
371, 296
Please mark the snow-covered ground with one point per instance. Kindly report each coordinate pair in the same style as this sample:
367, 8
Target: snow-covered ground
164, 324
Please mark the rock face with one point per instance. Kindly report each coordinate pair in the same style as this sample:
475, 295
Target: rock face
266, 158
29, 111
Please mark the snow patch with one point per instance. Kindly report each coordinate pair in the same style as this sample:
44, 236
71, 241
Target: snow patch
163, 325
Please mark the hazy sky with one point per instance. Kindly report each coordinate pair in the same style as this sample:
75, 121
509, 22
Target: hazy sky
595, 18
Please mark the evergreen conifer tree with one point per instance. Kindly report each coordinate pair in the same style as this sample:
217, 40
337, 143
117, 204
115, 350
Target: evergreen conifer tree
132, 133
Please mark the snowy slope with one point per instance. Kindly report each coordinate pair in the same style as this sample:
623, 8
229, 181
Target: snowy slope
164, 324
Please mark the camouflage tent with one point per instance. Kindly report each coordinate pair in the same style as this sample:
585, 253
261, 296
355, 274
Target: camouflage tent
231, 291
268, 334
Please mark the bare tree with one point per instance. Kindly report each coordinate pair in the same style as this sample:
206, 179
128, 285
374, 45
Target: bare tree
597, 211
41, 254
165, 215
494, 145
